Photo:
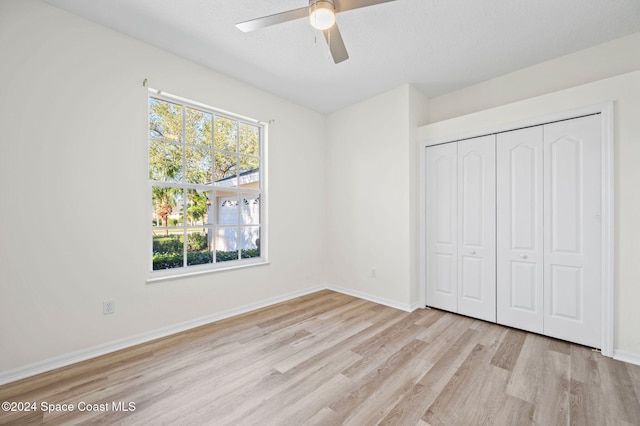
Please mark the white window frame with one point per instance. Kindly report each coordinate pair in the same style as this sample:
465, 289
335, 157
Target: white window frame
185, 271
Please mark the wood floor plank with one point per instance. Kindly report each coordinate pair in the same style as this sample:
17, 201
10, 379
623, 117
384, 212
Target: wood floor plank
347, 404
616, 381
394, 390
586, 400
430, 317
527, 377
316, 344
410, 409
441, 410
509, 350
445, 321
330, 359
552, 396
448, 362
559, 346
634, 375
447, 353
280, 397
326, 416
474, 393
297, 408
389, 333
514, 411
385, 344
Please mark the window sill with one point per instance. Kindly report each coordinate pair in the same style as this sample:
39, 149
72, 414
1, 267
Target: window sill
159, 276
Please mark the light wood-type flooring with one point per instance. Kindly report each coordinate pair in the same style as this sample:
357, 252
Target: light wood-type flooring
331, 359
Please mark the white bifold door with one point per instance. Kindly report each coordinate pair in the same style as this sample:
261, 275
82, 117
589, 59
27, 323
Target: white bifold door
461, 233
520, 247
442, 226
549, 231
572, 239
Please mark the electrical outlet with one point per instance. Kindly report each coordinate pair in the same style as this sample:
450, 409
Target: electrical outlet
108, 307
374, 273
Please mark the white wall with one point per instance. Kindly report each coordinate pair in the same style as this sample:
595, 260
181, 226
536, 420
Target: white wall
73, 173
624, 90
596, 63
371, 179
418, 107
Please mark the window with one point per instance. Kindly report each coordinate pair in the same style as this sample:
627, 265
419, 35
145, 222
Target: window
206, 182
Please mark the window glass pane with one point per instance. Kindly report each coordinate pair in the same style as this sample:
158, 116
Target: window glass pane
249, 171
165, 162
168, 251
226, 244
250, 241
225, 169
165, 120
249, 139
198, 127
226, 134
199, 243
198, 165
204, 171
199, 208
167, 206
227, 208
249, 208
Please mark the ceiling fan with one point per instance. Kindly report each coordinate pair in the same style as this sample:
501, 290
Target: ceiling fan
322, 16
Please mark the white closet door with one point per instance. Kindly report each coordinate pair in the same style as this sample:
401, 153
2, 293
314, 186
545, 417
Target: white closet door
519, 157
572, 214
441, 238
477, 228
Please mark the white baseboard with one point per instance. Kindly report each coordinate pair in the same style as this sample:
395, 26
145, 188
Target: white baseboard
415, 306
371, 298
630, 357
95, 351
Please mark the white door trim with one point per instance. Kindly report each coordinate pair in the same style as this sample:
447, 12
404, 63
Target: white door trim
608, 274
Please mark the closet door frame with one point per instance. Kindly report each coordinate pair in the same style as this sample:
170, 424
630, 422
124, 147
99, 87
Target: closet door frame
607, 228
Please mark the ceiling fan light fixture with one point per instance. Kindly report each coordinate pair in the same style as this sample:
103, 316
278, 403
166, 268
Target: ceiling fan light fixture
322, 14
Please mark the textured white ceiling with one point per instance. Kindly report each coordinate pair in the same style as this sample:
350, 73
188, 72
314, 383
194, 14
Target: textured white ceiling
437, 45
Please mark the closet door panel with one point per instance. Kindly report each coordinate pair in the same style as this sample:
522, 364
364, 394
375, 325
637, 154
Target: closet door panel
477, 228
572, 183
519, 168
441, 232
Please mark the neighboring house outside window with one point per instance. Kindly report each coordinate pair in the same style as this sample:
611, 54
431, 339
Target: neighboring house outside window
206, 182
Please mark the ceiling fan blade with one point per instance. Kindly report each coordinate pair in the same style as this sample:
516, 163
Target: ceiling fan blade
336, 44
278, 18
344, 5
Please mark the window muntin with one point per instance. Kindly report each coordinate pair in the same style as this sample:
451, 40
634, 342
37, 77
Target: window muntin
205, 178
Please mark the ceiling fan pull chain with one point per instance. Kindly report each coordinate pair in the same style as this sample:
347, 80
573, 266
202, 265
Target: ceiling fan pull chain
315, 32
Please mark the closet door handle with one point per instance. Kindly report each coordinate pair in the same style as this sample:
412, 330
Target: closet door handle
523, 256
473, 252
